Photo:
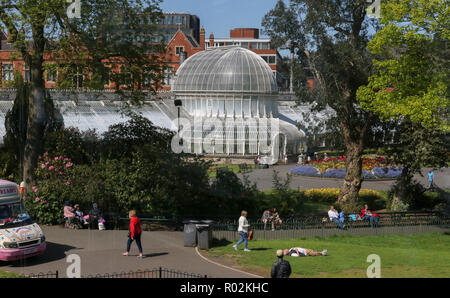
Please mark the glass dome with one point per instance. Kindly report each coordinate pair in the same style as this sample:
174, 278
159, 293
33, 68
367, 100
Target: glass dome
225, 69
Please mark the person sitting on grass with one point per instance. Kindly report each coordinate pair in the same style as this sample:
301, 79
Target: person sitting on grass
334, 217
366, 214
281, 268
303, 252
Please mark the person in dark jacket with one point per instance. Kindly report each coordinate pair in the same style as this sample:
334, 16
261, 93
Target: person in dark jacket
134, 233
94, 216
281, 268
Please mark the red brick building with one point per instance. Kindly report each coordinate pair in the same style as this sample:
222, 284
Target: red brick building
184, 40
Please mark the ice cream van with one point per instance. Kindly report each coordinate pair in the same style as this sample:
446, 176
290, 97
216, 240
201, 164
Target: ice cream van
20, 236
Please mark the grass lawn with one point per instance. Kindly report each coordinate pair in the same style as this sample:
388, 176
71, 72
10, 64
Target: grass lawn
401, 256
4, 274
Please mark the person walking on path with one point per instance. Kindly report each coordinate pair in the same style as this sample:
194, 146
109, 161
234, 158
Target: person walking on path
243, 231
281, 268
430, 180
134, 233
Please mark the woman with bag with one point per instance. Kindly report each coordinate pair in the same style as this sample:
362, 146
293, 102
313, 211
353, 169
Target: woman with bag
134, 233
243, 231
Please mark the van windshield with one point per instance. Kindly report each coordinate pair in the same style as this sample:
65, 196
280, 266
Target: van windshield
13, 215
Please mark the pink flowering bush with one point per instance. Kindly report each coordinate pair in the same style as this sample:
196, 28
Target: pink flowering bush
45, 200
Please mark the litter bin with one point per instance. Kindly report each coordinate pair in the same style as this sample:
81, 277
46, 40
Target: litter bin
204, 234
190, 233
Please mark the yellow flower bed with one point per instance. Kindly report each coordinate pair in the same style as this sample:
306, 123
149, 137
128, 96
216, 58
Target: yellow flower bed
324, 194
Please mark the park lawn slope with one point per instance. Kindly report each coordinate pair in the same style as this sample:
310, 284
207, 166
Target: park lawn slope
401, 256
4, 274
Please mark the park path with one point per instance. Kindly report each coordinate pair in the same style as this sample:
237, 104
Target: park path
101, 253
263, 179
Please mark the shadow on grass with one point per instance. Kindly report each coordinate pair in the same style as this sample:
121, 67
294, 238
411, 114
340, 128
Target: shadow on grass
221, 242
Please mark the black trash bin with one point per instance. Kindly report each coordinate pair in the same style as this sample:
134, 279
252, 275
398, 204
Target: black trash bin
204, 234
190, 233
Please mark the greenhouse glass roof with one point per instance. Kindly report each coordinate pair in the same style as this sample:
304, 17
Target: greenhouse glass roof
225, 69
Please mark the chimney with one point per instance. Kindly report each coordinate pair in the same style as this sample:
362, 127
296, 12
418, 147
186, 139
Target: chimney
202, 38
211, 40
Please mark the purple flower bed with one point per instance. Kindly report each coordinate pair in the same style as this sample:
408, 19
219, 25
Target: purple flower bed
369, 175
306, 171
387, 172
334, 173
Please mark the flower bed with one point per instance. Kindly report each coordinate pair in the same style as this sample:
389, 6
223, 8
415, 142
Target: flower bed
373, 168
305, 171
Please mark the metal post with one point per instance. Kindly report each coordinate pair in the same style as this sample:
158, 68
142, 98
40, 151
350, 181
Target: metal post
160, 272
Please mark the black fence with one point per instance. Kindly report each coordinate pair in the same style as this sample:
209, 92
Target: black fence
44, 275
154, 273
293, 222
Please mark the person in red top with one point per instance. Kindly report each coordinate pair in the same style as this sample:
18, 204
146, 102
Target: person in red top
134, 233
366, 214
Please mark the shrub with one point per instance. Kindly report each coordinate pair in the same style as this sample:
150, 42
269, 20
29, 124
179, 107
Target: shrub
45, 200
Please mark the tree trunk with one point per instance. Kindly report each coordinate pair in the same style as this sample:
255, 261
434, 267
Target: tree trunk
37, 115
348, 196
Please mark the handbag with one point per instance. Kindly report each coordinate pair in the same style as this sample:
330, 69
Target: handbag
250, 235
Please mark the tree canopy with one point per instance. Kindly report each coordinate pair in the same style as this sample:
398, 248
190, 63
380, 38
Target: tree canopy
412, 62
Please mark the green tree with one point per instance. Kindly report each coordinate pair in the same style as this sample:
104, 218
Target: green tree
331, 37
412, 62
109, 33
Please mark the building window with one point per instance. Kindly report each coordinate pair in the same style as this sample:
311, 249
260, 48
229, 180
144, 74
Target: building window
78, 78
269, 59
8, 72
125, 75
147, 79
168, 75
178, 20
51, 75
178, 50
27, 73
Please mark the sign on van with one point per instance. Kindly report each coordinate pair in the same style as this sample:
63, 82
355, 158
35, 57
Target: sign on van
8, 191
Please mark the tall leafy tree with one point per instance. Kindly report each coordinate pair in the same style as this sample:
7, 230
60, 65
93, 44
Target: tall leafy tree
111, 34
412, 61
331, 40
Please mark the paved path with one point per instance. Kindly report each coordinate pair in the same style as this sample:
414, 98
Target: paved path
263, 179
101, 252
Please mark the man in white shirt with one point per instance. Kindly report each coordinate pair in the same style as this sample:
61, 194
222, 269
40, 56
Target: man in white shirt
334, 217
303, 252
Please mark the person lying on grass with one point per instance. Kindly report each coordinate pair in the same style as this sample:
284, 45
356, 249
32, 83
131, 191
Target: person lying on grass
303, 252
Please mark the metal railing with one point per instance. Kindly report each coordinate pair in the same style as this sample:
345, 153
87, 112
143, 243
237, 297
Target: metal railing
49, 274
154, 273
386, 219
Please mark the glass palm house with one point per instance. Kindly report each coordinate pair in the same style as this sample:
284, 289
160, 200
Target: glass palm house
233, 90
229, 90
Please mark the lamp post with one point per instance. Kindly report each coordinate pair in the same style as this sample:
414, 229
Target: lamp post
179, 104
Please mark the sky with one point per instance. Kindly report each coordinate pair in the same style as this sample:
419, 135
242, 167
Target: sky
219, 16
